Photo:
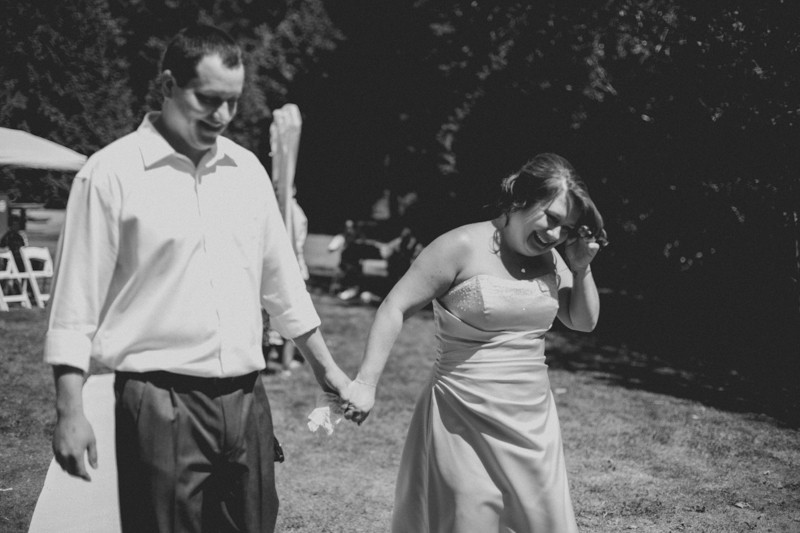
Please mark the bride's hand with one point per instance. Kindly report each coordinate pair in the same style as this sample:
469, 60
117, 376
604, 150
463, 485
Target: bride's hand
580, 253
361, 399
581, 250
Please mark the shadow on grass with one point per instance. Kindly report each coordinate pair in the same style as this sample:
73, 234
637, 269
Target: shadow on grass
649, 347
635, 349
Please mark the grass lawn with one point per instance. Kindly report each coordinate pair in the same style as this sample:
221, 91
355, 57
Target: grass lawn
637, 460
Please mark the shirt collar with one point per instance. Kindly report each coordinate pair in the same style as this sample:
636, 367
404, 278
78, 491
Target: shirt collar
155, 148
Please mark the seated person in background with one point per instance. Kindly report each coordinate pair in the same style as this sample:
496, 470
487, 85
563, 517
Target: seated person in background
14, 239
354, 246
399, 253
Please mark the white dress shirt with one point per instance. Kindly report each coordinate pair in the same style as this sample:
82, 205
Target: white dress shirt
164, 266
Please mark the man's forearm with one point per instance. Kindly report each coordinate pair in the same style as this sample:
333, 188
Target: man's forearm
73, 437
312, 346
69, 389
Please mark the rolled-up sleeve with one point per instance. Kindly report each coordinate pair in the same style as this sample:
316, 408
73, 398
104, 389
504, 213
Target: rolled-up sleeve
283, 290
85, 262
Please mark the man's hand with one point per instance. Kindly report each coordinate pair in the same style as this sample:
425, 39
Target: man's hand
330, 377
73, 437
335, 381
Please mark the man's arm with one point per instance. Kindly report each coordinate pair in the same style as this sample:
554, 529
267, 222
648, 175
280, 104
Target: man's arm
73, 435
85, 265
329, 376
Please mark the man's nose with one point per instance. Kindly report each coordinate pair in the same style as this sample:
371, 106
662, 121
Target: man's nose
224, 113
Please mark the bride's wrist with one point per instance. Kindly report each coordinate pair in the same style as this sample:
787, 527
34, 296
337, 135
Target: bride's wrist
366, 382
581, 271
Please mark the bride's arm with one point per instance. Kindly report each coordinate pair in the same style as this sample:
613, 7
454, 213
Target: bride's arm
430, 275
578, 299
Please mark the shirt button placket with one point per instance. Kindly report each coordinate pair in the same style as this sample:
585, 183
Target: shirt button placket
204, 229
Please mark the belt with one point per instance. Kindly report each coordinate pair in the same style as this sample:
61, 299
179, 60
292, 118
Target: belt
185, 383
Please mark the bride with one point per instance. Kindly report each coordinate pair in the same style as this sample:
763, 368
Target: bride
484, 451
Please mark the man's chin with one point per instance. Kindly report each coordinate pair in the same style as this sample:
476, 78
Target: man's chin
206, 139
205, 143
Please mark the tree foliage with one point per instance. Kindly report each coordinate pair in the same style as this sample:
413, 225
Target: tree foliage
62, 79
281, 40
681, 115
82, 73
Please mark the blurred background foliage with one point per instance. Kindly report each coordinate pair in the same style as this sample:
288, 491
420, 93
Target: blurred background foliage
681, 115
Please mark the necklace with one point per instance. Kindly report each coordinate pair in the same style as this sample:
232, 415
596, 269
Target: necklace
525, 263
513, 259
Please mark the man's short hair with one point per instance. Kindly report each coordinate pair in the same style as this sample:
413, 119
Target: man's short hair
191, 45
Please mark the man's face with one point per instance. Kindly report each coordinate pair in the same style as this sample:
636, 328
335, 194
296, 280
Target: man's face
195, 115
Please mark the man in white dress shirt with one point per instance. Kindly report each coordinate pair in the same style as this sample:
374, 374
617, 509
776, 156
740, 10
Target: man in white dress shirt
173, 242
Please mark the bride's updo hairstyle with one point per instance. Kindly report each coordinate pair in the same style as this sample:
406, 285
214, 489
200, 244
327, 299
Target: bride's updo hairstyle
539, 181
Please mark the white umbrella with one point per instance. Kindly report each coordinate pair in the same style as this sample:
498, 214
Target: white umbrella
285, 142
22, 149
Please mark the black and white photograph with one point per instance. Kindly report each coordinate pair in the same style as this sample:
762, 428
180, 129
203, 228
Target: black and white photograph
353, 266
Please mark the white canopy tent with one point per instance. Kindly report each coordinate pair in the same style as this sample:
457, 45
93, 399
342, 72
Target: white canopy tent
24, 150
21, 149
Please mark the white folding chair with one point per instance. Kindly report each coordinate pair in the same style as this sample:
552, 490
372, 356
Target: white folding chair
39, 266
12, 281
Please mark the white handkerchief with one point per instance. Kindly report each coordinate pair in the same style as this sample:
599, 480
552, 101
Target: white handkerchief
327, 414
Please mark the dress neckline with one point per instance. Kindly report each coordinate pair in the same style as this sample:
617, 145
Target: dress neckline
494, 277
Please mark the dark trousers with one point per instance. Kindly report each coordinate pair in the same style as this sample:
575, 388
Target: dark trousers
194, 454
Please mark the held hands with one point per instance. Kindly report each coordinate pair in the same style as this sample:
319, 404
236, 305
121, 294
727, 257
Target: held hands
73, 436
331, 403
353, 402
336, 382
361, 399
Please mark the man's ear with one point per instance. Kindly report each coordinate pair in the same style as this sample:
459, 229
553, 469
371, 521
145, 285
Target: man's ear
167, 83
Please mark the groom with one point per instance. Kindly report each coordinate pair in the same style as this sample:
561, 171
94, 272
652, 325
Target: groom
173, 242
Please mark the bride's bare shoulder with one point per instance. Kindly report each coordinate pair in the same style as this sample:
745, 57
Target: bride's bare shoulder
458, 253
463, 239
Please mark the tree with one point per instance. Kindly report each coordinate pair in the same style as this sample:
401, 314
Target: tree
281, 40
66, 68
681, 115
63, 79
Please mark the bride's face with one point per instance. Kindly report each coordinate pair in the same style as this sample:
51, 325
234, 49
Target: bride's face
536, 229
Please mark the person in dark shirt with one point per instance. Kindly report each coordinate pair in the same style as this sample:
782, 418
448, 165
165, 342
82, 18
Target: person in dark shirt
14, 239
